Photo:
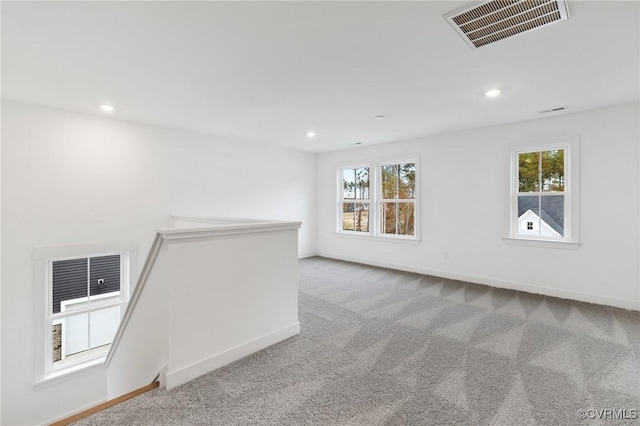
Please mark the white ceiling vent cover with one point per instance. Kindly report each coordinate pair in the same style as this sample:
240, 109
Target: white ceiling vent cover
495, 20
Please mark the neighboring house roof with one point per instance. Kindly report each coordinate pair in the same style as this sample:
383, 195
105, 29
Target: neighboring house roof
552, 211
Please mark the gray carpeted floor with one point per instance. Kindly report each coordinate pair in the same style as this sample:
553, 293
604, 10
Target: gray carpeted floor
380, 346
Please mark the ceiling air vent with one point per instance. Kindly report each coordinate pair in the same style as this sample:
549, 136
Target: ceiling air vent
546, 111
495, 20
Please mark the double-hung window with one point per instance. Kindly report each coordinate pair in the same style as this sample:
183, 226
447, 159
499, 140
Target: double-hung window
544, 199
378, 199
87, 298
397, 198
355, 199
85, 290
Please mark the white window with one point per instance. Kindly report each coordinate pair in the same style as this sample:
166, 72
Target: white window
378, 199
85, 295
544, 203
397, 194
354, 205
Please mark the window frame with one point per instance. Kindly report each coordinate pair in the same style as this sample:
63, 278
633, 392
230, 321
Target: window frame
52, 317
570, 239
45, 372
380, 200
376, 200
342, 200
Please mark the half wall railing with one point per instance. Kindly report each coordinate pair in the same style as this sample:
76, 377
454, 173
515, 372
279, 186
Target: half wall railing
211, 291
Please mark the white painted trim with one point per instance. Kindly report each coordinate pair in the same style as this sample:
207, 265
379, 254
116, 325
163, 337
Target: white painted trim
571, 193
530, 242
380, 238
72, 372
528, 288
186, 374
215, 229
217, 220
133, 301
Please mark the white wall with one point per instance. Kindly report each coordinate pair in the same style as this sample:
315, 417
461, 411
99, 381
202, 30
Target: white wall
251, 302
71, 179
464, 196
1, 225
215, 294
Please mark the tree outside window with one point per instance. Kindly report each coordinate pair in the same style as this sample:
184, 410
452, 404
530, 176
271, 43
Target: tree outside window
378, 200
540, 195
398, 183
355, 199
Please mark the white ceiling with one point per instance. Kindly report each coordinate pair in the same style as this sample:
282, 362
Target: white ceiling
269, 72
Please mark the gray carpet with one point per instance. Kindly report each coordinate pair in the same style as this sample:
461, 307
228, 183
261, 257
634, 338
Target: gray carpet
383, 347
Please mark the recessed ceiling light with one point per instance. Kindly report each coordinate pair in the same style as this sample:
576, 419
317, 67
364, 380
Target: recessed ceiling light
358, 143
492, 93
379, 117
106, 108
311, 134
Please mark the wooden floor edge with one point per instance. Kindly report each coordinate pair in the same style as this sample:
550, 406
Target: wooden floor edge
105, 405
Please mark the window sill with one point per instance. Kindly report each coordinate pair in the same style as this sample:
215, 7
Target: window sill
565, 245
70, 372
392, 239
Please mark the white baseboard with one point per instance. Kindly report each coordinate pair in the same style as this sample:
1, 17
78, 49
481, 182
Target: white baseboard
528, 288
162, 378
186, 374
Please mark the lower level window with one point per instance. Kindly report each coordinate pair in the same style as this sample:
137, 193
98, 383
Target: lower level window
86, 299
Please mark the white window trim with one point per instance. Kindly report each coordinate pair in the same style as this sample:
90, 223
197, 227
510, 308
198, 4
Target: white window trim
571, 239
42, 258
375, 183
340, 193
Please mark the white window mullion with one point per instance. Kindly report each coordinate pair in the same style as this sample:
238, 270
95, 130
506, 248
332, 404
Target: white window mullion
86, 310
397, 176
88, 314
540, 183
377, 204
89, 281
397, 225
88, 305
